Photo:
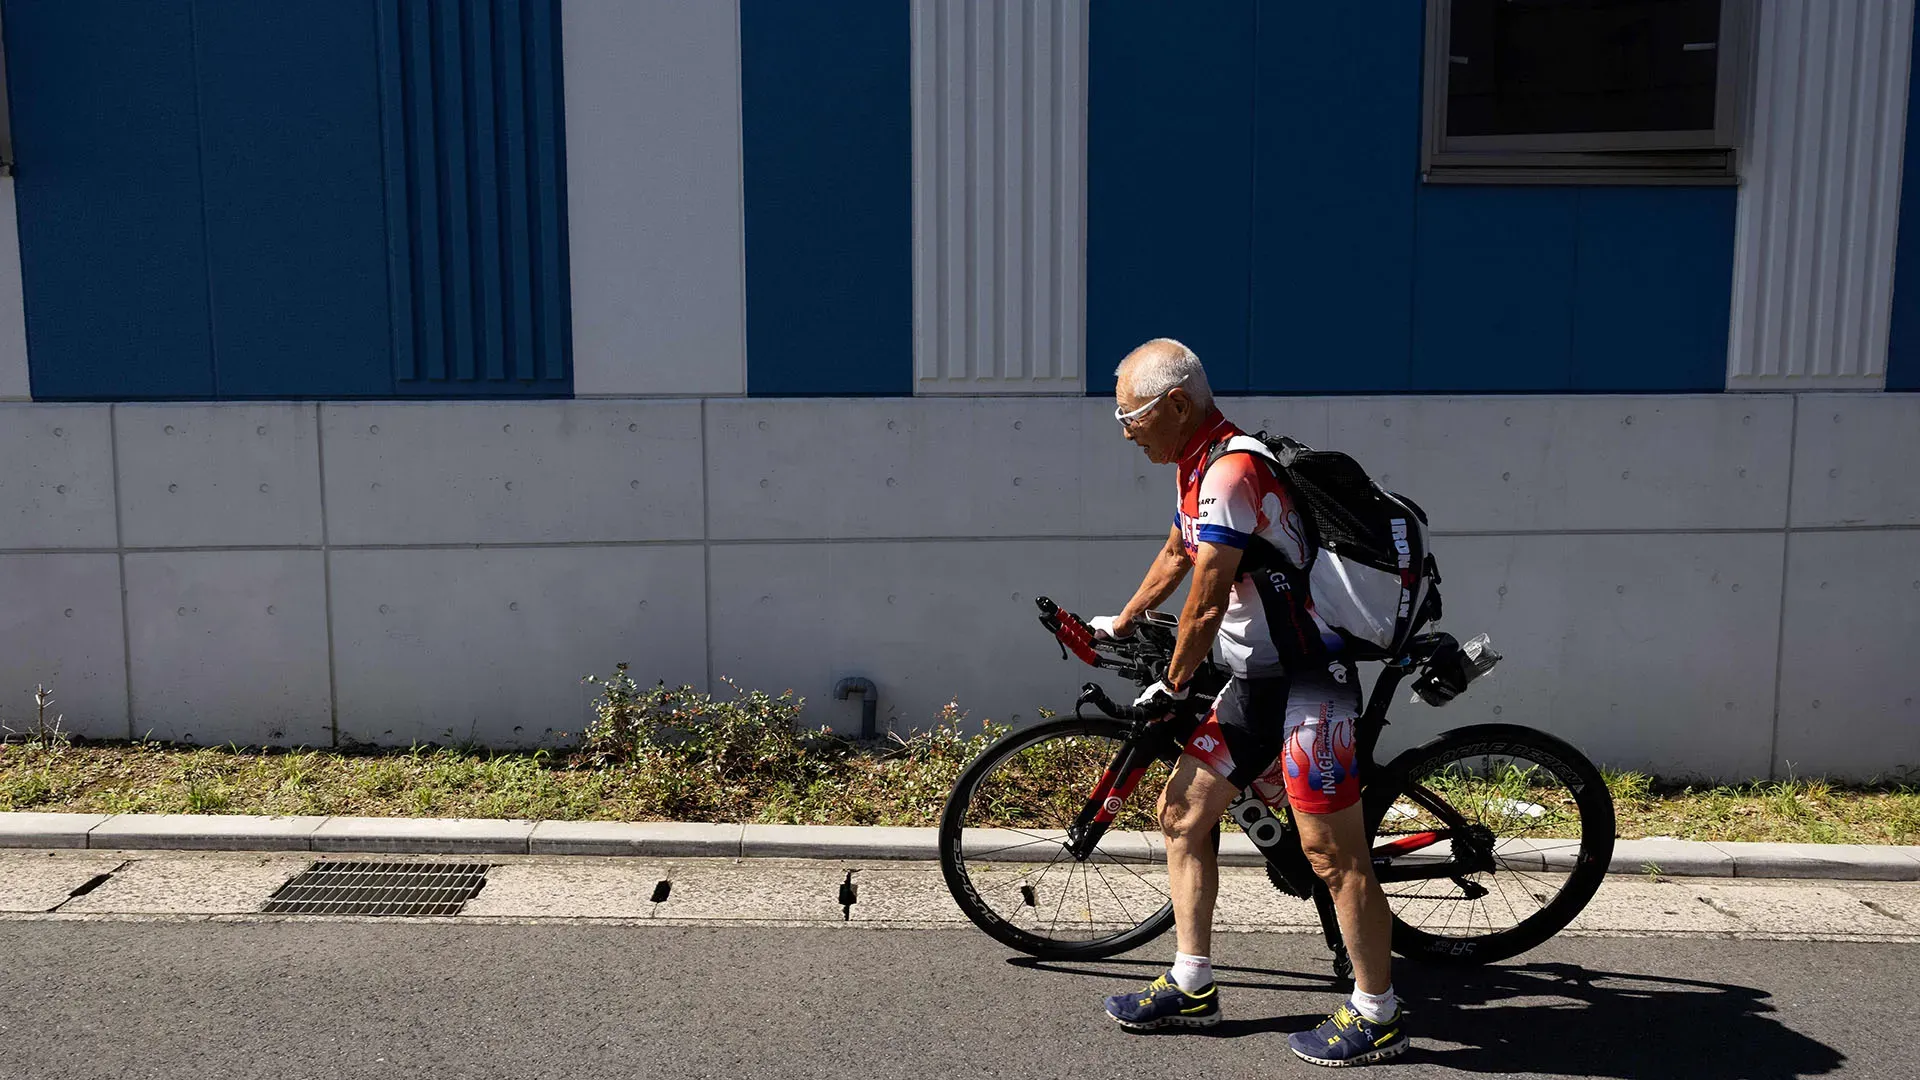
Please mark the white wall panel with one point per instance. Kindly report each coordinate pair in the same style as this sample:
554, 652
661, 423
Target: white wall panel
1849, 683
56, 476
229, 646
1650, 652
13, 319
1577, 463
831, 469
999, 195
218, 475
60, 627
490, 645
1820, 196
1856, 459
655, 238
512, 473
928, 622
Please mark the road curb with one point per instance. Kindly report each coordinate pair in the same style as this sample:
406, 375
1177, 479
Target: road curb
483, 836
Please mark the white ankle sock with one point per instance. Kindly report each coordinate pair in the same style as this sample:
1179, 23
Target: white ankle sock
1192, 973
1378, 1008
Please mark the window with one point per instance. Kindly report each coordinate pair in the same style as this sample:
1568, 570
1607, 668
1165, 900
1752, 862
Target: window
1585, 91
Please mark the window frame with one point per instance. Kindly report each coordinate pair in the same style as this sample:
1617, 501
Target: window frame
6, 113
1706, 157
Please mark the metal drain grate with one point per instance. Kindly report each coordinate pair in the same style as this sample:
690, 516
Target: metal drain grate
380, 888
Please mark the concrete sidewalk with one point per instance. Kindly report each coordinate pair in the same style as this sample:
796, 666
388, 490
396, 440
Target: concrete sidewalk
477, 836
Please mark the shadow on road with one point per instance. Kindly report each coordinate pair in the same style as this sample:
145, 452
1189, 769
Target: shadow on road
1557, 1019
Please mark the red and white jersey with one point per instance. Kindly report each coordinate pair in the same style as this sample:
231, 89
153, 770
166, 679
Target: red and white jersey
1270, 624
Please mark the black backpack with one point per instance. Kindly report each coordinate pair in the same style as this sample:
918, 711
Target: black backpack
1371, 573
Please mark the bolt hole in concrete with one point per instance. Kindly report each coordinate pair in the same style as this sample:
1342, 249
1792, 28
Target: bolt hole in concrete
849, 896
89, 885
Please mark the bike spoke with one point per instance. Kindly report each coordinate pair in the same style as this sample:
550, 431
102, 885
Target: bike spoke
1043, 877
1111, 890
1061, 903
1505, 899
1143, 879
1009, 847
1086, 881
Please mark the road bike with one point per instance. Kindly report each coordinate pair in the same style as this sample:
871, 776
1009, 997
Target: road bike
1488, 839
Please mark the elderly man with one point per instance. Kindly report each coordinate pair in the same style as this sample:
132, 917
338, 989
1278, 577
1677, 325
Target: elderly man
1284, 723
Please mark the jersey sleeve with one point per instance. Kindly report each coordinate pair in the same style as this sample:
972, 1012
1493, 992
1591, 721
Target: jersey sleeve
1230, 494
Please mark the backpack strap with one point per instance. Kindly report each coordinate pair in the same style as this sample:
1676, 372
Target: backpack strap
1278, 452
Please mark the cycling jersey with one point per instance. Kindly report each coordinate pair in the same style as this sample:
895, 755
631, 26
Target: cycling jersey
1270, 627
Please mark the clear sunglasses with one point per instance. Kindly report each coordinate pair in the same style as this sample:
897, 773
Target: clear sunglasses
1129, 419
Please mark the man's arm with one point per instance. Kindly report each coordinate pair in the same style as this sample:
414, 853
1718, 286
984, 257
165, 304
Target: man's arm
1168, 570
1215, 567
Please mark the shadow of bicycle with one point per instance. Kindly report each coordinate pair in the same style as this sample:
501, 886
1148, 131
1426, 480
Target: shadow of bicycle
1553, 1019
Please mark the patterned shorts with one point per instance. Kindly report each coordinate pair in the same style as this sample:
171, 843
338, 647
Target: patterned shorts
1292, 739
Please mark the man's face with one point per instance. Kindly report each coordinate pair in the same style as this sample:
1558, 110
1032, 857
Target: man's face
1162, 429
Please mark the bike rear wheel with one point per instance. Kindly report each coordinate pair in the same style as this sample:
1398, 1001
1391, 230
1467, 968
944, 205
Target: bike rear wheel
1004, 847
1526, 817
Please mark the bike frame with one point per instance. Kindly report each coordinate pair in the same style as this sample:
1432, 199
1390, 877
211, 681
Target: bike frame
1275, 835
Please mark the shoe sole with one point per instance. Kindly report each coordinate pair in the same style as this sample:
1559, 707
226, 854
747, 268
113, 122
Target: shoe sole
1371, 1057
1208, 1020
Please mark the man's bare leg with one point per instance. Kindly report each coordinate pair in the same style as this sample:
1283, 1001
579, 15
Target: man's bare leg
1336, 846
1190, 807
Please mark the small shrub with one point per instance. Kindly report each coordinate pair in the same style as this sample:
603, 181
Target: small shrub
42, 732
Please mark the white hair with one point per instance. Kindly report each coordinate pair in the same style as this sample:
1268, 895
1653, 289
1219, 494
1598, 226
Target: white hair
1162, 364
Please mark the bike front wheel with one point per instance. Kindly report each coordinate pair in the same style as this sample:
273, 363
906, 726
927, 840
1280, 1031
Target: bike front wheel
1488, 841
1004, 848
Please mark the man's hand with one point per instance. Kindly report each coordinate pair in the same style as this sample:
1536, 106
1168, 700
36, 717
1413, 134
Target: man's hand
1117, 627
1160, 698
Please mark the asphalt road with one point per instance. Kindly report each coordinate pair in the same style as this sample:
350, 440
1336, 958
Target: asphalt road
187, 1001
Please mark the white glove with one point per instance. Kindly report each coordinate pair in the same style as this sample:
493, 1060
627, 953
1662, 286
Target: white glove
1102, 626
1162, 697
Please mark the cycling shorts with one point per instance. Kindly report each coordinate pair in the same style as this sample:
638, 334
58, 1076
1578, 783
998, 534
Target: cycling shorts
1290, 738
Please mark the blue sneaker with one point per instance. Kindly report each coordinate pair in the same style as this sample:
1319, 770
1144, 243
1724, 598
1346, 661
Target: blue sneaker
1347, 1038
1164, 1004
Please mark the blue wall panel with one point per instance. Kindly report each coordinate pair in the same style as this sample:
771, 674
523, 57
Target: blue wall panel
826, 112
109, 195
1169, 183
1652, 288
1493, 293
1333, 213
1290, 203
290, 144
234, 199
470, 96
1903, 350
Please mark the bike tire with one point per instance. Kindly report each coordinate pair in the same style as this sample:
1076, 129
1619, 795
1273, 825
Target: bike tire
1588, 864
966, 894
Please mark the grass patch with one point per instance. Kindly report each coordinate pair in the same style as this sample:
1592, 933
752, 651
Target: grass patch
651, 754
660, 753
1795, 809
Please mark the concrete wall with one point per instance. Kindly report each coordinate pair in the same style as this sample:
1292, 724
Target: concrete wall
1717, 585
